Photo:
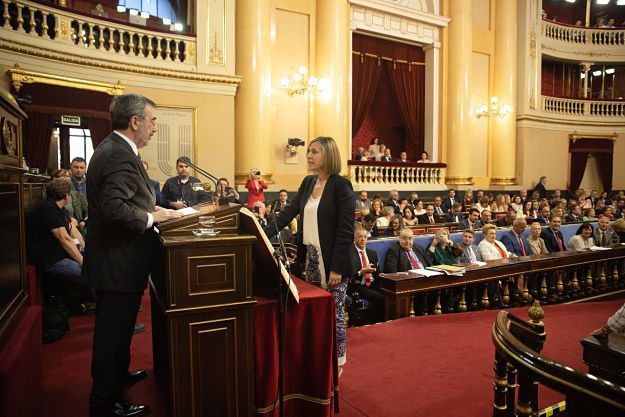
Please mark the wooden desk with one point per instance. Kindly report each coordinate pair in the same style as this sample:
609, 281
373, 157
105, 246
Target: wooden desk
606, 357
400, 289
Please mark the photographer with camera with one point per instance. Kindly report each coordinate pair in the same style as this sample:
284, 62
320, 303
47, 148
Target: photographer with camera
255, 186
225, 191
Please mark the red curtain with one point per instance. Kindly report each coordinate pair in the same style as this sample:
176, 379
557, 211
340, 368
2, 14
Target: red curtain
602, 149
100, 129
365, 77
37, 138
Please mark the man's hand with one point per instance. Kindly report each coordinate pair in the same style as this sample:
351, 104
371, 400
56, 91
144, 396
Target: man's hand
177, 204
158, 208
369, 269
601, 333
334, 280
165, 214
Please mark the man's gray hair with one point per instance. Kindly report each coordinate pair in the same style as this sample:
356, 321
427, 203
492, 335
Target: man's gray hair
125, 106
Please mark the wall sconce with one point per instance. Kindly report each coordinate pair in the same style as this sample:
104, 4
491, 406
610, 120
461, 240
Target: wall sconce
493, 110
291, 150
300, 83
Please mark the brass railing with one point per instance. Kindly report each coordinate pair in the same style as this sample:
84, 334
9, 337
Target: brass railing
31, 23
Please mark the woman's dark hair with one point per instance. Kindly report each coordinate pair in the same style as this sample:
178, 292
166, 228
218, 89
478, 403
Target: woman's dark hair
541, 179
583, 226
373, 140
410, 210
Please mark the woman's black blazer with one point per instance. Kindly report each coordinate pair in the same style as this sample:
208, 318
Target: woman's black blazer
335, 219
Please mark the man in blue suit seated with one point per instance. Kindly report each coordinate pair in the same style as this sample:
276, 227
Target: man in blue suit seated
513, 239
364, 273
543, 218
155, 184
404, 255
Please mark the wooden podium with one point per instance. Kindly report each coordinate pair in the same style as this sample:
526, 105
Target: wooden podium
202, 303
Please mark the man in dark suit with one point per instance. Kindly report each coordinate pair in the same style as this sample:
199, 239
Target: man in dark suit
470, 251
455, 214
387, 156
603, 234
438, 207
514, 240
575, 216
472, 222
449, 201
393, 200
554, 241
364, 276
368, 222
404, 255
544, 216
119, 249
507, 220
428, 217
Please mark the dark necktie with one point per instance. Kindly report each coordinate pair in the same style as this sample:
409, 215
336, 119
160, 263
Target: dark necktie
559, 240
523, 251
603, 239
431, 220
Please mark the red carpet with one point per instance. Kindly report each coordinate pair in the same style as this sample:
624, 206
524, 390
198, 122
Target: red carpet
422, 366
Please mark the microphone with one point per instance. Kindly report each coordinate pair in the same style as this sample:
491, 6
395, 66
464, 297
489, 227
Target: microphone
206, 174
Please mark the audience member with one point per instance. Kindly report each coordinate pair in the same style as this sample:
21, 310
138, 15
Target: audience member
544, 217
499, 205
513, 239
438, 206
385, 219
575, 215
523, 194
403, 157
507, 220
455, 214
280, 203
409, 217
381, 153
490, 247
414, 197
425, 158
470, 252
374, 147
517, 204
369, 223
225, 192
362, 201
472, 222
554, 241
365, 273
360, 152
77, 206
467, 201
55, 247
483, 204
183, 190
589, 215
78, 167
486, 216
394, 226
393, 201
582, 239
386, 157
376, 208
442, 250
479, 194
604, 235
419, 210
534, 241
449, 201
256, 186
540, 187
260, 211
428, 217
403, 255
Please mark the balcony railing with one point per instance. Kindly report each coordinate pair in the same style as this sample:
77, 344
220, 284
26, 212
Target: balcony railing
410, 175
582, 35
36, 24
573, 107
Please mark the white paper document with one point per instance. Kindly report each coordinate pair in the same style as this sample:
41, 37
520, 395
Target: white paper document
425, 272
598, 248
187, 210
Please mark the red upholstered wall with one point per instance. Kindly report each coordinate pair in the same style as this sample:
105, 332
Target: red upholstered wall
383, 121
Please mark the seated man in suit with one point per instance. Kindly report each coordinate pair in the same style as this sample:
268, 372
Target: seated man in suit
449, 201
544, 216
403, 157
438, 206
428, 217
486, 216
364, 276
404, 255
508, 220
369, 223
470, 251
183, 190
514, 240
393, 201
575, 216
472, 222
604, 235
387, 156
455, 214
554, 241
362, 201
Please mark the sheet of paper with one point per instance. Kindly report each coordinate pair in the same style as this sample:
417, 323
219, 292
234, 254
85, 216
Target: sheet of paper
598, 248
425, 272
187, 210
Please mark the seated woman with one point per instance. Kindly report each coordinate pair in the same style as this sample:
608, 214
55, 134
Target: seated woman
483, 204
381, 152
385, 219
409, 217
394, 226
419, 210
425, 158
583, 238
376, 208
490, 247
534, 241
499, 205
517, 204
582, 201
589, 215
442, 250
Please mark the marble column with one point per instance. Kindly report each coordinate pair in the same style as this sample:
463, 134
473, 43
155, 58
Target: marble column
432, 92
585, 69
503, 130
254, 141
332, 57
458, 110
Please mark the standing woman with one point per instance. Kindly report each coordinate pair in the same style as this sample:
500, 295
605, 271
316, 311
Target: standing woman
325, 204
255, 186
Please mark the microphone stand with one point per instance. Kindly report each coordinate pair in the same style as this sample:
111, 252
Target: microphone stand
280, 255
206, 174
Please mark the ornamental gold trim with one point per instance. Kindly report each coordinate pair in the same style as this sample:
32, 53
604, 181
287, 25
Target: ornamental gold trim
321, 401
125, 67
503, 180
458, 180
552, 120
20, 77
576, 136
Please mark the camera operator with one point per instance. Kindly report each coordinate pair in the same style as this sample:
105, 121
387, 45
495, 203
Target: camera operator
225, 192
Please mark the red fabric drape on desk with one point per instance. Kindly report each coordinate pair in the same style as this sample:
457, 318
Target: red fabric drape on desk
365, 77
37, 138
602, 149
99, 128
310, 355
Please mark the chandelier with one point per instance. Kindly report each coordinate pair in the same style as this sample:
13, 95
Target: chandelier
494, 110
301, 83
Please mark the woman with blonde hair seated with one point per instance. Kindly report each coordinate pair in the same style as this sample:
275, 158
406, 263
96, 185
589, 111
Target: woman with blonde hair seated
483, 204
534, 241
490, 247
385, 219
394, 226
442, 249
583, 238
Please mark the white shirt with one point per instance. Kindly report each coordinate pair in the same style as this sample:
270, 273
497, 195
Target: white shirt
360, 253
311, 233
136, 151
